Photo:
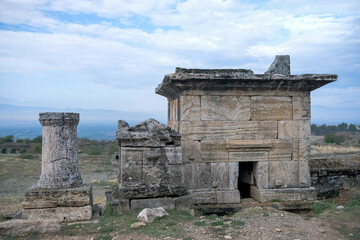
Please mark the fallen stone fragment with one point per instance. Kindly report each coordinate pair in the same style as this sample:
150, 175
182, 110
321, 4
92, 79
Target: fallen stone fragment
149, 214
25, 226
137, 225
340, 207
322, 230
227, 237
278, 230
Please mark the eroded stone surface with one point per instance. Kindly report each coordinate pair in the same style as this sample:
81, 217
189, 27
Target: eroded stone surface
151, 161
59, 149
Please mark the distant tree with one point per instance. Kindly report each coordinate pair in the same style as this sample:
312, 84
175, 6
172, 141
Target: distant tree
37, 139
19, 140
342, 127
352, 128
7, 139
36, 148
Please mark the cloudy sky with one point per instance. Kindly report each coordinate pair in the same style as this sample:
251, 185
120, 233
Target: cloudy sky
111, 54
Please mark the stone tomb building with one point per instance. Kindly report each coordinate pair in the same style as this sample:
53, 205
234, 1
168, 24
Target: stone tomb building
243, 134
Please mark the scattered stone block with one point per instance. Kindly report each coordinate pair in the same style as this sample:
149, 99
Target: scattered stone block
228, 196
148, 215
21, 226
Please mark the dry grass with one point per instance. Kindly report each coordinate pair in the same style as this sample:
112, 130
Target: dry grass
333, 149
17, 175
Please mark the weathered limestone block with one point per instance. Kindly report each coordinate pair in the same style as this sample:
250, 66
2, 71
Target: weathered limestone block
202, 176
301, 108
131, 167
188, 176
304, 129
223, 130
174, 154
51, 198
286, 194
304, 174
225, 108
204, 197
214, 151
271, 108
21, 227
174, 125
191, 151
281, 65
281, 150
219, 176
233, 175
261, 174
62, 214
288, 130
304, 149
283, 174
174, 110
59, 149
190, 108
178, 203
228, 196
151, 159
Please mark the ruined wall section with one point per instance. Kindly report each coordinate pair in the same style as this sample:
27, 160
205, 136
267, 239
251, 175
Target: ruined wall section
211, 126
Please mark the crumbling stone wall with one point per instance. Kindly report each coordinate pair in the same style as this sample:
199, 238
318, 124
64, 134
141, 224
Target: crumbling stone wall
150, 162
230, 116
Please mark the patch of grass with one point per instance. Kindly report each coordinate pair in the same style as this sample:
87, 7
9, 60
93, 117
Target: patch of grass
211, 216
355, 200
237, 223
320, 207
103, 170
200, 223
166, 226
219, 223
276, 200
350, 233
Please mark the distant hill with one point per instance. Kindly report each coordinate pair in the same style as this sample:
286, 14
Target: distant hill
97, 124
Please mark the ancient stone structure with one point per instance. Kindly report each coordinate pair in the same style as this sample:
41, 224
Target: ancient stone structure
59, 194
150, 165
243, 134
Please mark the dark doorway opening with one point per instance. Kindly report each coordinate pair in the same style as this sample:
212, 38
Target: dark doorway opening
246, 178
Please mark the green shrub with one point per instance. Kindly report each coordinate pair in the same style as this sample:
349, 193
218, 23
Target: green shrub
36, 149
3, 151
94, 151
320, 207
331, 138
13, 150
37, 139
27, 156
355, 200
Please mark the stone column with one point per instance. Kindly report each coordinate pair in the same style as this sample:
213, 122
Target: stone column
59, 194
59, 151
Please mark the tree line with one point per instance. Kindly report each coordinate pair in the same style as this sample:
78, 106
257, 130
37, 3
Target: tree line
321, 130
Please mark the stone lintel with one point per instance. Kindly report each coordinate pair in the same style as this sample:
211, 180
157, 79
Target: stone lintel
58, 118
249, 145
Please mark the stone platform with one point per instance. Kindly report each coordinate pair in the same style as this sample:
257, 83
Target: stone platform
64, 205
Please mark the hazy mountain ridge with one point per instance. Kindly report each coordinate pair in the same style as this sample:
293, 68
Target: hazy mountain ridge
22, 122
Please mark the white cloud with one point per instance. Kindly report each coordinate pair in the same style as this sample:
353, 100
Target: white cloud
137, 42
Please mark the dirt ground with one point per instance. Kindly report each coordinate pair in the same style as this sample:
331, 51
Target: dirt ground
16, 175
